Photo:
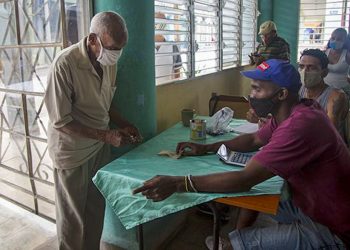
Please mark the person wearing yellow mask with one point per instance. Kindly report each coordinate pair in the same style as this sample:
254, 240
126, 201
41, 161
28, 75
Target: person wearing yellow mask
313, 68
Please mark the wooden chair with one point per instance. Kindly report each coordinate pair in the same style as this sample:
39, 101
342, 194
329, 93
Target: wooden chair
239, 104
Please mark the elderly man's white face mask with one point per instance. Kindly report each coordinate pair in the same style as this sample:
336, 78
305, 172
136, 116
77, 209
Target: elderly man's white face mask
108, 57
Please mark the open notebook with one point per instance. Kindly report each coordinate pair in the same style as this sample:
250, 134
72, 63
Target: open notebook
233, 157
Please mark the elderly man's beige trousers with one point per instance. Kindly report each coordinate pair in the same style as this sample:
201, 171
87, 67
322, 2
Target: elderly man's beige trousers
79, 204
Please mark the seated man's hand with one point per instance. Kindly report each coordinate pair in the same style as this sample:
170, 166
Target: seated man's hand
133, 133
189, 148
252, 117
159, 187
256, 59
263, 121
251, 59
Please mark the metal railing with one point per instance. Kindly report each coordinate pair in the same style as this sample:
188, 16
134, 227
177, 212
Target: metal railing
25, 167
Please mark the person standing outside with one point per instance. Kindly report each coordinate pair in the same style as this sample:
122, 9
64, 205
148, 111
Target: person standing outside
168, 61
339, 61
80, 88
271, 47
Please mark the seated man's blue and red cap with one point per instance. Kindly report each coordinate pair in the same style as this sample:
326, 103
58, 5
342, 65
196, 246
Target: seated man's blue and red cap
280, 72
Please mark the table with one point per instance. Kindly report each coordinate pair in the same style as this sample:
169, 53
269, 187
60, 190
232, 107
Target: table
117, 179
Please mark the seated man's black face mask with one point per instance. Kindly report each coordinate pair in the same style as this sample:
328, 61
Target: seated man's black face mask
263, 106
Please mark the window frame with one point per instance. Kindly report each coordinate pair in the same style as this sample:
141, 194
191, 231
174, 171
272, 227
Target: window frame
238, 42
316, 28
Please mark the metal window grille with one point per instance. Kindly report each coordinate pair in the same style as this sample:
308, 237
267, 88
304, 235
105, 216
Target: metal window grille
318, 19
32, 32
208, 35
172, 40
248, 29
231, 33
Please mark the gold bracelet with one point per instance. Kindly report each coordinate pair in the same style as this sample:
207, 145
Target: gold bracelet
186, 186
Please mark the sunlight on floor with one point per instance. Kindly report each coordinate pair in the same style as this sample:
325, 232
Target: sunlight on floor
23, 230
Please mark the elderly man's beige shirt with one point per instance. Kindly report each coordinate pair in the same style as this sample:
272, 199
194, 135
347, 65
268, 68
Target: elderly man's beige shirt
76, 92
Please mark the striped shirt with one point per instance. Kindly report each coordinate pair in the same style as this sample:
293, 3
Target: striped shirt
278, 48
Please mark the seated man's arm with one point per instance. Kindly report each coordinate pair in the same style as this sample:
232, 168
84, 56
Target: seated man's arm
234, 181
242, 143
160, 187
337, 107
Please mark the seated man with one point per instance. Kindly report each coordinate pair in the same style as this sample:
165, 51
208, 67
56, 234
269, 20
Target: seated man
272, 46
313, 68
300, 144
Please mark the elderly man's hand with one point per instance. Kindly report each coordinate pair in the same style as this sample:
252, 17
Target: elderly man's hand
159, 187
133, 133
189, 148
117, 138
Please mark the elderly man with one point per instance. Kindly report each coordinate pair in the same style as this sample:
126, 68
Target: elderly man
81, 85
313, 68
298, 143
271, 47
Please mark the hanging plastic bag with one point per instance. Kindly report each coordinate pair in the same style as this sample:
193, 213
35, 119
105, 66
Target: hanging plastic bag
218, 123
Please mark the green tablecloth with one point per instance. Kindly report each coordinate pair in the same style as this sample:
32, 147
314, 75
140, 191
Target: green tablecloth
117, 179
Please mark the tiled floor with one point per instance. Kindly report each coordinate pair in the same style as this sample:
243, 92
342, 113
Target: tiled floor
22, 230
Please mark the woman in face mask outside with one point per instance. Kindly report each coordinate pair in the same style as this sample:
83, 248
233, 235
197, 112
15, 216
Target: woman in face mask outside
339, 60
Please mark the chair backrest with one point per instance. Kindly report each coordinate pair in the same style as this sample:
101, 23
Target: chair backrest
238, 104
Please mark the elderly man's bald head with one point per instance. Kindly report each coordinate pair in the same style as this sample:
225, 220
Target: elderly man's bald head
109, 23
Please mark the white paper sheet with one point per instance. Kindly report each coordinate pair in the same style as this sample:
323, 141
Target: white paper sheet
246, 128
